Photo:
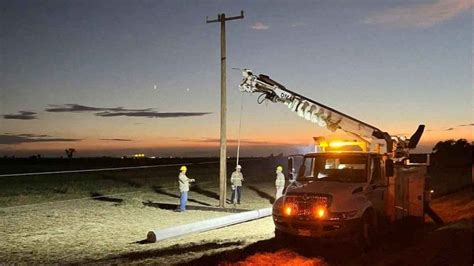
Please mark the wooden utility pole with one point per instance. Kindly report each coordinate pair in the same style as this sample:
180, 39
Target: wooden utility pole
223, 154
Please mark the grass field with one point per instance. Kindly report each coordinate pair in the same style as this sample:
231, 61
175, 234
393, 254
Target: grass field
103, 217
52, 218
24, 190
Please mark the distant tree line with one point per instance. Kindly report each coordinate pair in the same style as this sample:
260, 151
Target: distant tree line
452, 153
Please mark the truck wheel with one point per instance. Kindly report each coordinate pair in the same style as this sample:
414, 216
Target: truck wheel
367, 232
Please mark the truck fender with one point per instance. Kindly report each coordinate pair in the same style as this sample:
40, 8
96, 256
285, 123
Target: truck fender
362, 205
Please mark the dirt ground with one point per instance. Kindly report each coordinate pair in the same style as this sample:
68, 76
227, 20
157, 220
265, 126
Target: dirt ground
111, 230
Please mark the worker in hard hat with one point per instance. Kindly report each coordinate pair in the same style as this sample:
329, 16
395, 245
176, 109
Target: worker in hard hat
236, 184
183, 188
279, 182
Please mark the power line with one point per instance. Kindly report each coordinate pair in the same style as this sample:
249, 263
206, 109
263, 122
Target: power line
101, 169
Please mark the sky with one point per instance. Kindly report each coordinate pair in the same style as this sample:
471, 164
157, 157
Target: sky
119, 77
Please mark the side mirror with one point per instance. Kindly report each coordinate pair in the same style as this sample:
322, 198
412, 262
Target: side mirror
290, 167
388, 168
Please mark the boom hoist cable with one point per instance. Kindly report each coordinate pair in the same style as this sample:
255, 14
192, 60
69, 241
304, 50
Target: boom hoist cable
240, 127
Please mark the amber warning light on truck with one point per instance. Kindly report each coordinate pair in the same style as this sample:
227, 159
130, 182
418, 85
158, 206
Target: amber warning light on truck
339, 145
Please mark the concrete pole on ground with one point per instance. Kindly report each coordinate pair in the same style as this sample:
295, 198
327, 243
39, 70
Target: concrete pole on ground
207, 225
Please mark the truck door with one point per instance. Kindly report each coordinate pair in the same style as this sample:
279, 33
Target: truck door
377, 186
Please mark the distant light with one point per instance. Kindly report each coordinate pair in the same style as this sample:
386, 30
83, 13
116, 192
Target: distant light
155, 87
187, 89
431, 191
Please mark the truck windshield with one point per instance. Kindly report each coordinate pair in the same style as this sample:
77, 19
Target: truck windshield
350, 168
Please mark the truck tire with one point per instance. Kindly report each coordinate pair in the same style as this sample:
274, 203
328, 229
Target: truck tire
367, 233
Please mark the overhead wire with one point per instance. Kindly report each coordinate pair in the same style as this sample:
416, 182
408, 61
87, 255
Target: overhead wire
240, 128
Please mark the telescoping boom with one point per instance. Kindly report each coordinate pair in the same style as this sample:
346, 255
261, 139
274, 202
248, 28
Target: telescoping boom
326, 116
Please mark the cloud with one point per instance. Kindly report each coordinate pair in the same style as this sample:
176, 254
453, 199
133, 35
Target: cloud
120, 111
117, 139
151, 114
420, 15
73, 107
451, 128
260, 26
297, 24
11, 139
32, 135
230, 141
22, 115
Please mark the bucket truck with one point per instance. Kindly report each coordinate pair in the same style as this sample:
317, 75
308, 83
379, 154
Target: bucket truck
344, 189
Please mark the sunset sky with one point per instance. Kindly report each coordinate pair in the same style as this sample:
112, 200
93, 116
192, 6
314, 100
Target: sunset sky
119, 77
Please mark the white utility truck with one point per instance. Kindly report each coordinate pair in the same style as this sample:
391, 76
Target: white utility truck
345, 188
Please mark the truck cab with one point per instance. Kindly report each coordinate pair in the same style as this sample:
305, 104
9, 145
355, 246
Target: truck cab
335, 194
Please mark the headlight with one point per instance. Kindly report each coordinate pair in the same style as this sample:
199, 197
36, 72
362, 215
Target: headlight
320, 212
290, 209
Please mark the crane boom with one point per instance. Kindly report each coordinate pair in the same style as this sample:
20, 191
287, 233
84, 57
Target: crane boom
321, 114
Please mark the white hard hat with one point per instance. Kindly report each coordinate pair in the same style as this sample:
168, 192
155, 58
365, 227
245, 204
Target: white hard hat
238, 167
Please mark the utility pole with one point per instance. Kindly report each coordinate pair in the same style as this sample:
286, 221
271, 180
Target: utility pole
223, 154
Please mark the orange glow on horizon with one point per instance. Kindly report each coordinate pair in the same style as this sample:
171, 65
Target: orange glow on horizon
295, 137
